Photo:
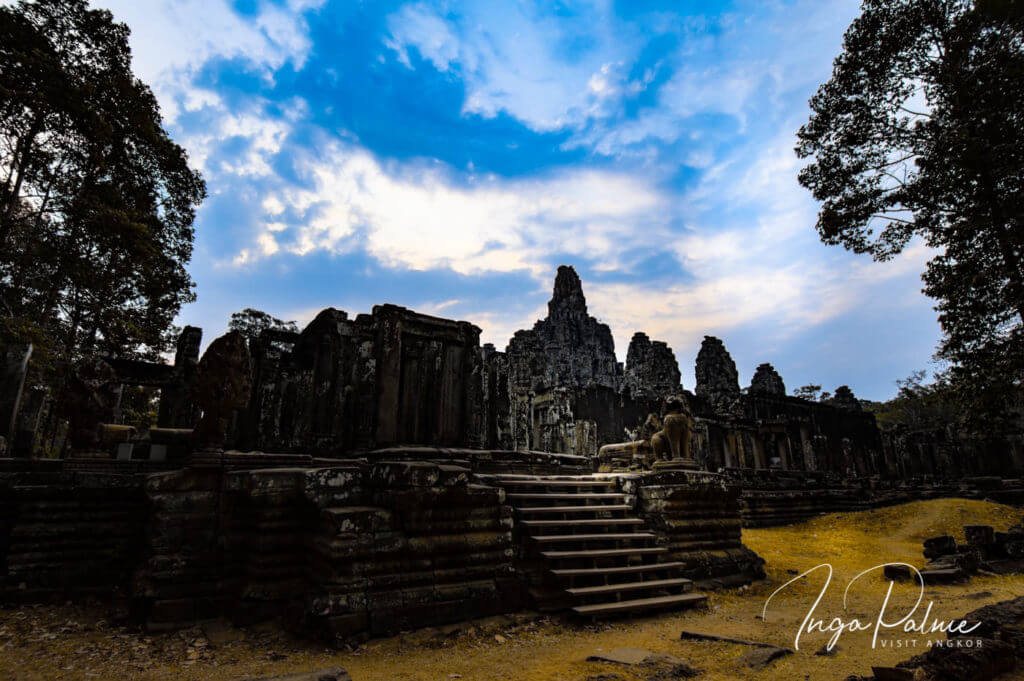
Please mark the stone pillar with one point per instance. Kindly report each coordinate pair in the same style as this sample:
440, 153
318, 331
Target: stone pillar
389, 373
222, 384
176, 411
13, 368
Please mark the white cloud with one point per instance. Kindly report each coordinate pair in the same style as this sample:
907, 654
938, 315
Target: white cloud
513, 58
422, 217
755, 257
741, 69
263, 132
171, 39
749, 245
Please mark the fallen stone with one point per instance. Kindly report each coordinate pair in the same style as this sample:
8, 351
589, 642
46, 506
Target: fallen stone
939, 546
696, 635
893, 674
328, 674
943, 576
1007, 566
979, 535
993, 646
760, 658
825, 651
898, 572
220, 633
987, 661
624, 656
448, 631
663, 667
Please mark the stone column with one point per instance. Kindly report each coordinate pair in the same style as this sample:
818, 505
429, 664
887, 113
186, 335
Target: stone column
389, 373
222, 384
13, 368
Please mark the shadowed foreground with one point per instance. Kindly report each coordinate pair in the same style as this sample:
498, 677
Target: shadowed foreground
69, 642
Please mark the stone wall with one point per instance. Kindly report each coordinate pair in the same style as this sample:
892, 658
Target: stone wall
66, 534
345, 386
699, 516
431, 547
778, 497
391, 377
949, 453
345, 550
801, 435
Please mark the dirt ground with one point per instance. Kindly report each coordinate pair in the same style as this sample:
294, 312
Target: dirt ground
71, 642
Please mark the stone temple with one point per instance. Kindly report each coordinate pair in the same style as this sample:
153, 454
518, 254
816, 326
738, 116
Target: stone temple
373, 474
397, 377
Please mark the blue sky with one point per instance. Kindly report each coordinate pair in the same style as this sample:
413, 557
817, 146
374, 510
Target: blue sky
448, 156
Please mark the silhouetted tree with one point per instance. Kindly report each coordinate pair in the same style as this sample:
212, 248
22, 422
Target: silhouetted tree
920, 404
96, 201
807, 392
251, 323
920, 133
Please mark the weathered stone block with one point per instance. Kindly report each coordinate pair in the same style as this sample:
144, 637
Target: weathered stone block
357, 520
979, 535
939, 546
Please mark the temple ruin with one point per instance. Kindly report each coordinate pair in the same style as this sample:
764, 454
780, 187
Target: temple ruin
373, 474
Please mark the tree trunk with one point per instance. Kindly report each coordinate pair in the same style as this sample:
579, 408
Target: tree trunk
21, 159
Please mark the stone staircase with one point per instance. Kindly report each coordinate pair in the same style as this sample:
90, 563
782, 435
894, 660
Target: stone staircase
592, 556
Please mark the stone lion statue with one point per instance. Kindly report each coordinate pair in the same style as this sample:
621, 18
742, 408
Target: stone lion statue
673, 440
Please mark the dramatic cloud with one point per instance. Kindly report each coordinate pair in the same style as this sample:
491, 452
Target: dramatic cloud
448, 155
549, 70
172, 39
421, 218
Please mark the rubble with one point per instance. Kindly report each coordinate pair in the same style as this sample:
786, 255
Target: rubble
652, 666
994, 647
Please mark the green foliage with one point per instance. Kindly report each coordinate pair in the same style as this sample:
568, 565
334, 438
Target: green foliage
808, 392
96, 201
140, 406
251, 323
920, 404
920, 134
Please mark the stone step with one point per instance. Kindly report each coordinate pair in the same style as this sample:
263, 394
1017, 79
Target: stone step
566, 496
631, 586
560, 538
602, 553
612, 571
512, 476
640, 605
574, 509
556, 483
585, 522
